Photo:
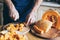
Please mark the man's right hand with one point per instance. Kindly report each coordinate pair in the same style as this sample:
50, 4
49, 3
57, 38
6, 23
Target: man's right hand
14, 14
12, 10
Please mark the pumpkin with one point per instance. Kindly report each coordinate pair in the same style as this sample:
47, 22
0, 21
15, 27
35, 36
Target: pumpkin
38, 30
52, 16
58, 24
42, 26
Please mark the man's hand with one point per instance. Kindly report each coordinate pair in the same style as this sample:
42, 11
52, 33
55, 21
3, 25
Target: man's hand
14, 14
31, 18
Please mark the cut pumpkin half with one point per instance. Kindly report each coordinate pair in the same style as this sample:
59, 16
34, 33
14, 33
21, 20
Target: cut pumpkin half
52, 16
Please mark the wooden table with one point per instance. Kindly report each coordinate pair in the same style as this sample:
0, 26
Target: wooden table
32, 37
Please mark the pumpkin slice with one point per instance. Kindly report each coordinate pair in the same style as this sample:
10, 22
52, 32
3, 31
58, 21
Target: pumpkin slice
38, 30
42, 26
52, 16
58, 24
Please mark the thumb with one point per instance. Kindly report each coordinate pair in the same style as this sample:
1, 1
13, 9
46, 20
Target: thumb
15, 18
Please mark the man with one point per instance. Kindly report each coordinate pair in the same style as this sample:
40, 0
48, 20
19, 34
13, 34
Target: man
19, 9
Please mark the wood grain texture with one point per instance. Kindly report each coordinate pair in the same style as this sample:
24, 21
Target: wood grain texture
32, 37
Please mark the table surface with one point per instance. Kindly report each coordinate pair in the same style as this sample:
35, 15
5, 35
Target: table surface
32, 37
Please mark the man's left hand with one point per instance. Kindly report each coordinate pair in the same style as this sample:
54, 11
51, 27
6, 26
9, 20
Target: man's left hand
31, 18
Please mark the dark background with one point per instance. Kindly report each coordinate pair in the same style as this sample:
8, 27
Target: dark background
1, 12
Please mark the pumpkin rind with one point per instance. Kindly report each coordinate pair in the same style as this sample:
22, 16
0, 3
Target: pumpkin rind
50, 12
58, 24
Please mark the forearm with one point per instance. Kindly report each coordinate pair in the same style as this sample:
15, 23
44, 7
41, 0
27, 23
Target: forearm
37, 5
9, 4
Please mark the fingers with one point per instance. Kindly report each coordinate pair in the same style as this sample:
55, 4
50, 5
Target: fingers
14, 16
31, 20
